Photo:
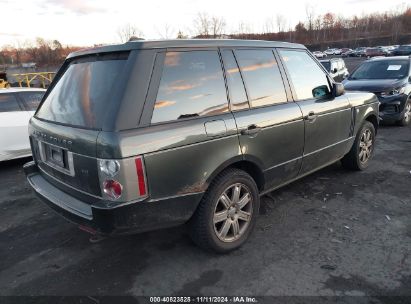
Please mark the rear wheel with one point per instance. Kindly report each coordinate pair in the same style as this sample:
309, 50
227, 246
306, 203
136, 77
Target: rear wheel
406, 119
362, 150
227, 213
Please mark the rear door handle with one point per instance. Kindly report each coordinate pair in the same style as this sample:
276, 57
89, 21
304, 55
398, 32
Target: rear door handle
251, 130
311, 117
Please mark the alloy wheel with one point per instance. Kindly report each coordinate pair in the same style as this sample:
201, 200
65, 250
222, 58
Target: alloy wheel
407, 114
233, 212
366, 146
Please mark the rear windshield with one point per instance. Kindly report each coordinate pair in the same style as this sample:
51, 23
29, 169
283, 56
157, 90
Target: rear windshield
81, 97
382, 69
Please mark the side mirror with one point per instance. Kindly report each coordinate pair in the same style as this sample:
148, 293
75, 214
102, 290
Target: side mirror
409, 79
320, 91
338, 89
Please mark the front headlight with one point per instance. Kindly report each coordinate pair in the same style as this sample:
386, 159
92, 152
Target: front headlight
394, 92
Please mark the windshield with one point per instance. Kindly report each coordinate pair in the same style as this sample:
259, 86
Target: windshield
81, 97
327, 65
384, 69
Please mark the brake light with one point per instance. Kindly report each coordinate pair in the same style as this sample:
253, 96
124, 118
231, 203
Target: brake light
142, 188
112, 188
123, 180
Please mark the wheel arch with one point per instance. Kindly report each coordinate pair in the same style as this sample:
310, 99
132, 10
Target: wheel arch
247, 164
372, 118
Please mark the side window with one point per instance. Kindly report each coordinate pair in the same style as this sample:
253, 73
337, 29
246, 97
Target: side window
262, 77
8, 103
238, 96
308, 78
192, 84
31, 100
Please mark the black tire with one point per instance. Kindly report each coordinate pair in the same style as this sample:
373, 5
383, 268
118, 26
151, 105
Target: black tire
202, 229
406, 119
352, 159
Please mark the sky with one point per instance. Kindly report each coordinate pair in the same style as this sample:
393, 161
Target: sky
89, 22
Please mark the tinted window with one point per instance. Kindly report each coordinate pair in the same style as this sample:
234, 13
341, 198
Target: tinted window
8, 103
382, 69
238, 96
31, 100
262, 77
327, 65
307, 77
192, 85
81, 97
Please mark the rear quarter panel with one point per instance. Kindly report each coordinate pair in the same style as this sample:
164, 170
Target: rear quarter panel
179, 157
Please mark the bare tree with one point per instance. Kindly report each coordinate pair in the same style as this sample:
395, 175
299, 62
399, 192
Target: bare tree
244, 28
128, 31
310, 13
181, 35
218, 25
269, 26
281, 22
202, 24
166, 32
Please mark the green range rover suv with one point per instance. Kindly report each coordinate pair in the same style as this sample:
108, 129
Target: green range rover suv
153, 134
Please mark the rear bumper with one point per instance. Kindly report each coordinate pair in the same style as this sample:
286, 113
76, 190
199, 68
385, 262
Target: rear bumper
128, 218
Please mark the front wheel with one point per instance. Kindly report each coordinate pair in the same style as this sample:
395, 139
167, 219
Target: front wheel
406, 119
227, 213
362, 150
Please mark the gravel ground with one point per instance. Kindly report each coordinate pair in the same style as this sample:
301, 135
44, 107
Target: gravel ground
333, 233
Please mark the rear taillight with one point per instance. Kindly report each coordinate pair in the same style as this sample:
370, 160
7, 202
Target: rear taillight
123, 180
112, 188
141, 176
110, 167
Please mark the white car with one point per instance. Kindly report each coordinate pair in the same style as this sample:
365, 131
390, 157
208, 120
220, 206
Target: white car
333, 51
17, 105
329, 51
319, 54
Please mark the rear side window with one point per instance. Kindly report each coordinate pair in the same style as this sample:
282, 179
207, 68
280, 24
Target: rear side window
8, 103
192, 85
81, 97
308, 78
31, 100
238, 96
262, 77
